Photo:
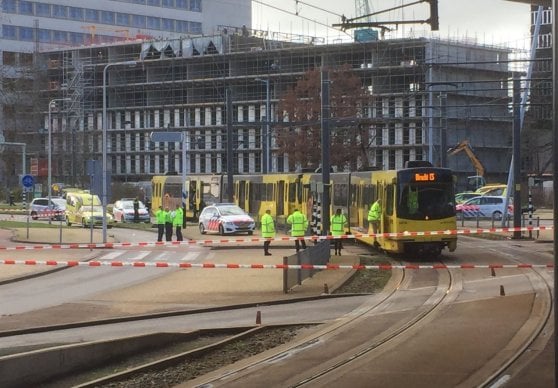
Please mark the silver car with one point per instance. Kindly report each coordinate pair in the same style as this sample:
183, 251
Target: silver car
225, 218
123, 211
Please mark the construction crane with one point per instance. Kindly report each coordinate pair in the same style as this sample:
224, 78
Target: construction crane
473, 182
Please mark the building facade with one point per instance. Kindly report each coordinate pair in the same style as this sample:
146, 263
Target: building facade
29, 27
425, 95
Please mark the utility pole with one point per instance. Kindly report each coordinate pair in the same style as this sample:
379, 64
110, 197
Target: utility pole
326, 162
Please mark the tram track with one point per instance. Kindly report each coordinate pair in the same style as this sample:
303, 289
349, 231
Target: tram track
430, 306
445, 292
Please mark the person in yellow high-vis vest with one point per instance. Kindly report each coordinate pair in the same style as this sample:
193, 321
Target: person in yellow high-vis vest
160, 216
268, 230
178, 221
338, 223
168, 224
299, 224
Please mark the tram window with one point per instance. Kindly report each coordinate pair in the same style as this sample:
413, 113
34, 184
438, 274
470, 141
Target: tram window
292, 192
340, 194
389, 200
418, 202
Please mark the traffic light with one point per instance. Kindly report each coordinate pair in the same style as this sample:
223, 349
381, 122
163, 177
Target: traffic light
434, 25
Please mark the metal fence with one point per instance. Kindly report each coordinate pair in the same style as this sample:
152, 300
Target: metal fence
318, 254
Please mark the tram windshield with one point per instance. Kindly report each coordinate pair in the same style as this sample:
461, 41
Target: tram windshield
429, 199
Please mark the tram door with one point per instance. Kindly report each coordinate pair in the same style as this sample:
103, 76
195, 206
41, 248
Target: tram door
242, 195
280, 200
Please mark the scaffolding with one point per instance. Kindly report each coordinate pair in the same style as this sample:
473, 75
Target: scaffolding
422, 93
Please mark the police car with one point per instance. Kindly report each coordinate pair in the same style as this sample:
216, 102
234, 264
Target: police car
485, 206
225, 218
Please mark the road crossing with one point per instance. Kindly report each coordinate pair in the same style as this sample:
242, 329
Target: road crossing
155, 256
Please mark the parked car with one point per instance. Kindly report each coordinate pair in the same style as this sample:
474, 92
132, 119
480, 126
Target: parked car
123, 211
85, 209
225, 218
39, 208
485, 206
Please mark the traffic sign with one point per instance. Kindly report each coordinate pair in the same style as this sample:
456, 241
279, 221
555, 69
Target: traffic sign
27, 181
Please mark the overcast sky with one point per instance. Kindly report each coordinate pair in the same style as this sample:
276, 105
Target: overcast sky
487, 21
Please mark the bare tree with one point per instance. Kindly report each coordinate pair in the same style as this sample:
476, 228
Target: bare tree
300, 134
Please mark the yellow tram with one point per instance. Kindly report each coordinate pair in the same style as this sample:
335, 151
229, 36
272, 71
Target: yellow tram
432, 208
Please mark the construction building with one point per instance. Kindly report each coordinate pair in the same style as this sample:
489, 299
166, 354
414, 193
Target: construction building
29, 27
425, 96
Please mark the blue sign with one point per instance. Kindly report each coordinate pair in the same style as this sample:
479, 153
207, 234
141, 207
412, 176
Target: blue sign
27, 181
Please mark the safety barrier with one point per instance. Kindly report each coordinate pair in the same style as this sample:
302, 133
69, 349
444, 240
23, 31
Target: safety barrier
386, 267
240, 240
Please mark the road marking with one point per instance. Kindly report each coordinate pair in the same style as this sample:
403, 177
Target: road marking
112, 255
190, 256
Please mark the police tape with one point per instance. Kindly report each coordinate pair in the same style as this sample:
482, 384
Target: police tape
278, 239
386, 267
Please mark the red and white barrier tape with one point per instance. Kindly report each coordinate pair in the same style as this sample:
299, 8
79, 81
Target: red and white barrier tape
139, 264
261, 239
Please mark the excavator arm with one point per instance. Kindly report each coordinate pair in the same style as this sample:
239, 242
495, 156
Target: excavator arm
466, 147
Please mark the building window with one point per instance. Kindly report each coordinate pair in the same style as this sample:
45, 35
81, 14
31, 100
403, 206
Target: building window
25, 33
60, 11
107, 17
168, 25
153, 23
182, 26
26, 8
122, 19
195, 5
44, 36
168, 3
8, 57
182, 4
391, 161
195, 27
391, 134
155, 3
42, 9
9, 32
77, 38
138, 21
76, 13
59, 36
9, 6
91, 15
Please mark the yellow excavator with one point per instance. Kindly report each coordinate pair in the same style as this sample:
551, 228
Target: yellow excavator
476, 181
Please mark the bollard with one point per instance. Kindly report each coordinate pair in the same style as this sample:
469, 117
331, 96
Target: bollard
259, 318
502, 292
326, 289
492, 272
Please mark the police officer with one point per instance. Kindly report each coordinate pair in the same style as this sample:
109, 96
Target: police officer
338, 223
136, 209
374, 216
168, 224
299, 224
268, 230
177, 221
160, 215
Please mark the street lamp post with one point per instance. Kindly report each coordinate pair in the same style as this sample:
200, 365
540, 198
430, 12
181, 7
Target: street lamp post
266, 135
104, 142
51, 105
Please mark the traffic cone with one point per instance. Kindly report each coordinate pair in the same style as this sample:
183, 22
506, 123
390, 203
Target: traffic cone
259, 318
